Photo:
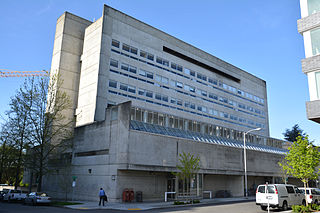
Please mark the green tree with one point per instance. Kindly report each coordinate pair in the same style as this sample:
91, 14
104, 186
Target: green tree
188, 167
51, 131
291, 135
302, 160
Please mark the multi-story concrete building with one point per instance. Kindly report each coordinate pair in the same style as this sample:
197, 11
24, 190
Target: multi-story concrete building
309, 27
141, 97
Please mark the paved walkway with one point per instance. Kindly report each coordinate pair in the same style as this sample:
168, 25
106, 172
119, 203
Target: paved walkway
153, 205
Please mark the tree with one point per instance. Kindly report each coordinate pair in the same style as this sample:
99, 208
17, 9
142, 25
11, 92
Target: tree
51, 131
291, 135
189, 165
302, 160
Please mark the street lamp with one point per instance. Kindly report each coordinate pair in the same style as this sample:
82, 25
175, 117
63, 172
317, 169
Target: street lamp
245, 159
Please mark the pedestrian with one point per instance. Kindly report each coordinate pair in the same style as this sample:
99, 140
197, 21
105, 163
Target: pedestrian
102, 196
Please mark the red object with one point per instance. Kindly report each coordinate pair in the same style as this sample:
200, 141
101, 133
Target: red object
125, 195
276, 189
311, 196
131, 195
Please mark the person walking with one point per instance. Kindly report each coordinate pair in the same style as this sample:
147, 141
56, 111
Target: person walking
102, 196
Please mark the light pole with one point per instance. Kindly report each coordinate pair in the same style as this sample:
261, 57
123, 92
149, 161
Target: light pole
245, 159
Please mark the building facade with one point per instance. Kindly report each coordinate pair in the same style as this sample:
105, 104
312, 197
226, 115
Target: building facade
141, 97
309, 27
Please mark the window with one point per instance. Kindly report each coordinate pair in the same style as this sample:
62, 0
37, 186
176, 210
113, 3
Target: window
213, 81
165, 98
179, 102
141, 91
129, 68
262, 189
130, 49
146, 74
146, 55
313, 6
112, 83
187, 71
271, 189
123, 87
162, 79
202, 92
131, 89
149, 94
179, 84
162, 61
115, 43
317, 75
173, 101
176, 66
157, 96
113, 62
201, 76
290, 189
213, 96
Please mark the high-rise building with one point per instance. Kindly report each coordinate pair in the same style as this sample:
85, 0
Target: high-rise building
141, 97
309, 27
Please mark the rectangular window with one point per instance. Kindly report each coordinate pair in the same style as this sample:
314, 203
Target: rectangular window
146, 55
130, 49
113, 62
149, 94
165, 80
317, 74
132, 69
125, 67
157, 96
187, 71
162, 61
179, 102
179, 85
313, 6
187, 104
192, 73
112, 83
176, 67
141, 91
173, 101
131, 89
142, 73
123, 87
192, 106
115, 43
165, 98
213, 81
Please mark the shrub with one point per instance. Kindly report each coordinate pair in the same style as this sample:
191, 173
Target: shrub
305, 209
178, 203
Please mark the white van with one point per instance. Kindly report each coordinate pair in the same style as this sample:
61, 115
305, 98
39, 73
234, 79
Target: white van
313, 195
278, 196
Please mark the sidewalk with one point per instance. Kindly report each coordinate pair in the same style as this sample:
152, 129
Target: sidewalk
153, 205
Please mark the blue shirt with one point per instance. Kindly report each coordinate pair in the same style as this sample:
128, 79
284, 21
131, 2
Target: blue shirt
101, 192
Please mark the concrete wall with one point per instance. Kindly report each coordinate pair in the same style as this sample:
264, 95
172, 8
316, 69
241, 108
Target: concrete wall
66, 54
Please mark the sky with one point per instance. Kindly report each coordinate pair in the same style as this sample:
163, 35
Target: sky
259, 37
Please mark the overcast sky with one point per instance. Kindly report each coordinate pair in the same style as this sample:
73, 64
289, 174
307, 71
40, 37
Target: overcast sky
259, 37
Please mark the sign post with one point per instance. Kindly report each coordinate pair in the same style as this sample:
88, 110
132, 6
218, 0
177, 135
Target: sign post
74, 178
267, 197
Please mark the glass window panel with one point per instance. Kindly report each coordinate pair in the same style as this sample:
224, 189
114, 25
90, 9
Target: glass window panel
143, 54
115, 43
113, 63
112, 84
126, 47
134, 50
158, 78
187, 71
192, 73
150, 57
149, 75
313, 6
165, 80
125, 67
124, 87
150, 117
149, 94
318, 83
142, 72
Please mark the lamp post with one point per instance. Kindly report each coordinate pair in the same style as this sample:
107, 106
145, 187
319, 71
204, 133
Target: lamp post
245, 159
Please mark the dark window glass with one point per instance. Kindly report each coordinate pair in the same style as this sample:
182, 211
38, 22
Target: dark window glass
193, 73
126, 47
179, 102
150, 57
149, 94
165, 98
262, 189
125, 67
123, 87
115, 43
149, 75
134, 50
158, 96
113, 84
290, 189
271, 189
113, 63
143, 54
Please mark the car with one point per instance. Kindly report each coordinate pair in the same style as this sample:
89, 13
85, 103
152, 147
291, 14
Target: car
35, 198
14, 195
279, 196
2, 193
313, 194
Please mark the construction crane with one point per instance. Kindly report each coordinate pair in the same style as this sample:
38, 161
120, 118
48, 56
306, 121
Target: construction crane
5, 73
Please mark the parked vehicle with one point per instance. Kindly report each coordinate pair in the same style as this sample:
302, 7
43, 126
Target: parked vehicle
279, 196
35, 198
313, 195
14, 194
2, 193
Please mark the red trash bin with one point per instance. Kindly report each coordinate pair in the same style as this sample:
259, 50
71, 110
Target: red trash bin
125, 195
131, 196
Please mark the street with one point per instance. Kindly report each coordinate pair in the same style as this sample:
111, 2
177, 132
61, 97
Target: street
244, 207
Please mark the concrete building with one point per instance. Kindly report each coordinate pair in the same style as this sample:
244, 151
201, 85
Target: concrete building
141, 97
309, 27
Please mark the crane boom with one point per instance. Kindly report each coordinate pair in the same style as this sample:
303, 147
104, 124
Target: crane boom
5, 73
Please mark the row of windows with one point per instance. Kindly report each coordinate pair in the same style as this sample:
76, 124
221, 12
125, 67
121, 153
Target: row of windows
218, 88
178, 67
167, 120
173, 83
187, 104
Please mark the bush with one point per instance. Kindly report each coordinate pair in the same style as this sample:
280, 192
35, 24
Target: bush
305, 209
178, 203
196, 201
